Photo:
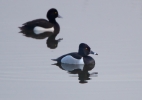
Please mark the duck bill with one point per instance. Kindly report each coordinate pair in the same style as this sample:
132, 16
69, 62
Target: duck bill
60, 39
91, 52
60, 16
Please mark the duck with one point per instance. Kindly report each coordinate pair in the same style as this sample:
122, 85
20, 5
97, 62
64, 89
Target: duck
80, 57
39, 27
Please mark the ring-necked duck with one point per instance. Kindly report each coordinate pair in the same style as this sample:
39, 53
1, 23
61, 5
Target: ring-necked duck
40, 26
80, 57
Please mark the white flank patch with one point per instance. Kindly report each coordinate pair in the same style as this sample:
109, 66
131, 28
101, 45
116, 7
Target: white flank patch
71, 67
38, 30
70, 60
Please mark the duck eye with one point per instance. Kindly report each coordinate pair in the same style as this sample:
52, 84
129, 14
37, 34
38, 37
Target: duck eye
86, 48
55, 12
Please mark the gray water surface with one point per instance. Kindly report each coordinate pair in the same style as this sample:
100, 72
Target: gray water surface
111, 28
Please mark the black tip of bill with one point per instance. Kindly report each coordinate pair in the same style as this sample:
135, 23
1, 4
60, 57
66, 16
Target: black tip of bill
96, 53
91, 52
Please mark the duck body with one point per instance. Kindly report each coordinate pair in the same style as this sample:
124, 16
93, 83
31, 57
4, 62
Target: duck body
70, 58
75, 58
80, 57
38, 22
40, 26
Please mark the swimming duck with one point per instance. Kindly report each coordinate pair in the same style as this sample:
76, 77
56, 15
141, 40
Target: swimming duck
80, 57
40, 26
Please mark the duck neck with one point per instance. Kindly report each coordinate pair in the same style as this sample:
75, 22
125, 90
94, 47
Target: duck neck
52, 21
80, 53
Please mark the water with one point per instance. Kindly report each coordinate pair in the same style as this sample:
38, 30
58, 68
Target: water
111, 28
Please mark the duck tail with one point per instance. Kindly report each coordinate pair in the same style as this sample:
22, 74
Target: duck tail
54, 59
20, 29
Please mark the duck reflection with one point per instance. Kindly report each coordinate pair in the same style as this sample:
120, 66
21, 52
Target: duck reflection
51, 42
81, 70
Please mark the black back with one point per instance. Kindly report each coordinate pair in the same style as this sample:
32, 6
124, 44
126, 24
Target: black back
73, 54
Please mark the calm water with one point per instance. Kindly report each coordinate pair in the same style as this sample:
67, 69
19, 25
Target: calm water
112, 29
